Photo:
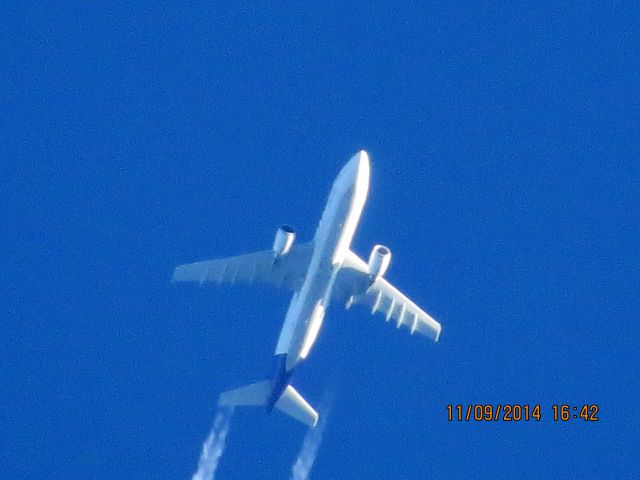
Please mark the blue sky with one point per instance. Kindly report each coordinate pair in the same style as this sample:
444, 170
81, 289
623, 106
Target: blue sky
504, 145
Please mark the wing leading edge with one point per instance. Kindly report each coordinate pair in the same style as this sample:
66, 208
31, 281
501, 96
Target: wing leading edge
354, 286
287, 271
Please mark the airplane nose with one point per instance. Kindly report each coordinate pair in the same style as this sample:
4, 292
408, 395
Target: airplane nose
360, 157
363, 164
358, 163
363, 159
356, 168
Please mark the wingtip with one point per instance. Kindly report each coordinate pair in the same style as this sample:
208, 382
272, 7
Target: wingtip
174, 275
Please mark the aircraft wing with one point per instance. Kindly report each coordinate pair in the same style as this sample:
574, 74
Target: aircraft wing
353, 285
287, 271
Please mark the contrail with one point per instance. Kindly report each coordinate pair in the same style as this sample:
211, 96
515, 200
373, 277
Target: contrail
213, 446
302, 467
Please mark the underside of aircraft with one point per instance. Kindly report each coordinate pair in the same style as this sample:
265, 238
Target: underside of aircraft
318, 273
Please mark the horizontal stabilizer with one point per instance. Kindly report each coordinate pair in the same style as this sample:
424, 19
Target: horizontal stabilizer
292, 403
254, 394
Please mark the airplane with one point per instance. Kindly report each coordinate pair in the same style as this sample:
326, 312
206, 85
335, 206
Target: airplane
319, 272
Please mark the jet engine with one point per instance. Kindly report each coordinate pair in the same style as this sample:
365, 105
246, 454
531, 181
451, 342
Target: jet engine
283, 241
379, 261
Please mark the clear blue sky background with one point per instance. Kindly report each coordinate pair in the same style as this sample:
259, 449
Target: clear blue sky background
504, 145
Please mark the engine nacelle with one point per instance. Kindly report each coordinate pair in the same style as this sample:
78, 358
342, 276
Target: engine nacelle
283, 241
379, 261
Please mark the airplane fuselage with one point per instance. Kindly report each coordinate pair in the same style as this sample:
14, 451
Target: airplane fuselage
318, 272
331, 242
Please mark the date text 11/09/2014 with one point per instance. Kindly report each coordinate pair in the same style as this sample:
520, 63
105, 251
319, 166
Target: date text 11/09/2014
521, 412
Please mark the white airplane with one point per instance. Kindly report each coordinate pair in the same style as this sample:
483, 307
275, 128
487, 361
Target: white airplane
318, 272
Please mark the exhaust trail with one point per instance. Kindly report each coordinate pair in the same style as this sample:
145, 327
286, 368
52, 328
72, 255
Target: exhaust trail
213, 447
301, 469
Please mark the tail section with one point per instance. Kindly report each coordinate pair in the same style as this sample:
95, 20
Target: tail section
292, 403
254, 394
257, 394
